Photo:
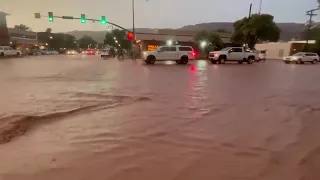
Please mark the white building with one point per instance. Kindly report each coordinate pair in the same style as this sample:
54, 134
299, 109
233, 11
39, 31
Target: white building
277, 50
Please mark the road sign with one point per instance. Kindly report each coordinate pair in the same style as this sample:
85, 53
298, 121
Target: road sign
67, 17
37, 15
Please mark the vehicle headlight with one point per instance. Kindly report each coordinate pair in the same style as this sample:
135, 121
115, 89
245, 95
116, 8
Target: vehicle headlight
216, 55
144, 53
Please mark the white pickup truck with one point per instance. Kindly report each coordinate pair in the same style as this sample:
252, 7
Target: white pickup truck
180, 54
238, 54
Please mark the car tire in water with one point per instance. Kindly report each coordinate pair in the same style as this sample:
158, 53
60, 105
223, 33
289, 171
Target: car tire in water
250, 60
213, 61
18, 54
2, 54
184, 60
178, 61
299, 61
222, 60
151, 60
314, 61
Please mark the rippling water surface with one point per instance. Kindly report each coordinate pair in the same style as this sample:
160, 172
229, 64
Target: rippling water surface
82, 118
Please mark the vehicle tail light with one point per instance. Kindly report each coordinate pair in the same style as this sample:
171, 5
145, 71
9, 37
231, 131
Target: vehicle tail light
193, 54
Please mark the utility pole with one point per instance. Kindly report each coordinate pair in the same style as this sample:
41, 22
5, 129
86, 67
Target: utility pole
250, 11
311, 14
260, 6
248, 19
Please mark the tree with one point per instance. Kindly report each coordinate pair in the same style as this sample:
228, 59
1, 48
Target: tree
48, 30
319, 3
22, 27
211, 39
314, 34
87, 42
57, 41
70, 41
221, 30
117, 37
258, 27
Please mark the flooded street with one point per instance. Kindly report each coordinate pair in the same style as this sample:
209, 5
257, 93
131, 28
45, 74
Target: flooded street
80, 118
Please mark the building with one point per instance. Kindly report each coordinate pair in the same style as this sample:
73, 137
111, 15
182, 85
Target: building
4, 34
278, 50
22, 39
15, 37
151, 41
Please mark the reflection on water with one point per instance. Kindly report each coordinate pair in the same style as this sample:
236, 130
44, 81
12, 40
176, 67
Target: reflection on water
93, 119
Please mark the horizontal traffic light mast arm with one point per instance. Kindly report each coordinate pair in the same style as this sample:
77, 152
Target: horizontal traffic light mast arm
94, 20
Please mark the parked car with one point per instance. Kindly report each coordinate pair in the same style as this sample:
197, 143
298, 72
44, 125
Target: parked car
105, 53
8, 51
180, 54
72, 52
44, 52
238, 54
34, 52
301, 57
53, 52
262, 55
91, 52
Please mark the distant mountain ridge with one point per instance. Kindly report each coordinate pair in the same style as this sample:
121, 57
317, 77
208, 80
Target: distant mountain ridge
288, 30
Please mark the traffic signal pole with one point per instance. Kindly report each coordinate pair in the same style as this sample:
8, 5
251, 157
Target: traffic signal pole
133, 31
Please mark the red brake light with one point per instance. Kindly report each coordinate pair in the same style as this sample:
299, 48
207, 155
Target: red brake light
193, 53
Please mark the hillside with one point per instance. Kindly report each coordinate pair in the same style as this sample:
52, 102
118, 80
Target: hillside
288, 30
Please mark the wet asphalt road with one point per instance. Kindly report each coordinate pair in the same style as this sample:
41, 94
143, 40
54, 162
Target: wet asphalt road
80, 117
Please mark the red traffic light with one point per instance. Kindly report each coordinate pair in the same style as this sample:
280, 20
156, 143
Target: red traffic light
130, 36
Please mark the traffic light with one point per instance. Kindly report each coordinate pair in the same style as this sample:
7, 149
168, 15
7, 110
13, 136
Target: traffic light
50, 16
83, 18
130, 36
103, 20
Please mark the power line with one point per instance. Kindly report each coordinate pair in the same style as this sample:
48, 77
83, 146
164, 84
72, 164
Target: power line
311, 14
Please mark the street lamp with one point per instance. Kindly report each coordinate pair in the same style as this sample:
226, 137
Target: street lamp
203, 44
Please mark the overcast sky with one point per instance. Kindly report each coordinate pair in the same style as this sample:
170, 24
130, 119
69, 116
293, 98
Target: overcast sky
149, 14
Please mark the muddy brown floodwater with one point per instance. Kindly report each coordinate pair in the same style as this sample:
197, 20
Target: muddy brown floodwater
80, 118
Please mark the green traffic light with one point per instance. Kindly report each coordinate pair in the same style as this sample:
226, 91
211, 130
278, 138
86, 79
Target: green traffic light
50, 15
103, 20
83, 18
